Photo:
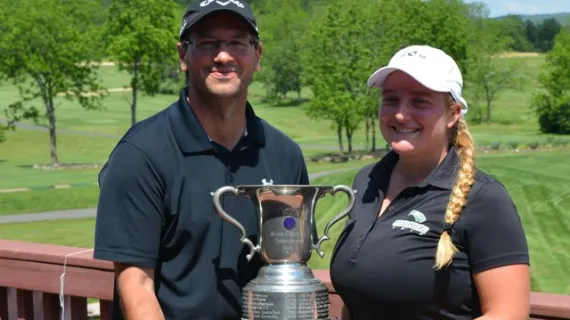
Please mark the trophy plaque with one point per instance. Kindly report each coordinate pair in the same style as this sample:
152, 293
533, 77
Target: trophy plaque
285, 287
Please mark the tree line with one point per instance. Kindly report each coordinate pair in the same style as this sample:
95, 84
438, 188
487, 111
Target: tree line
326, 47
529, 36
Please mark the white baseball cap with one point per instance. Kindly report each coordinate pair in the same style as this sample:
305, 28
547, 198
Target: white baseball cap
431, 67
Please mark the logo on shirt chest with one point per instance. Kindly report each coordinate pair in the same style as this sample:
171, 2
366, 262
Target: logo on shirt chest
415, 224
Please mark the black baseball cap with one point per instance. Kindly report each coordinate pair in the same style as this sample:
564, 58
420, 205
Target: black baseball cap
198, 9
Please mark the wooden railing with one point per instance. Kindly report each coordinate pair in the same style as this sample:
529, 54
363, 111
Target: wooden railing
30, 284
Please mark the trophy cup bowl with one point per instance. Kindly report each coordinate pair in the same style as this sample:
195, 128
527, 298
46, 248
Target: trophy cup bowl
285, 287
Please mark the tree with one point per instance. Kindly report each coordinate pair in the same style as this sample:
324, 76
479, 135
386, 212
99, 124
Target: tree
553, 105
547, 31
514, 27
3, 29
3, 129
532, 33
141, 37
491, 74
45, 45
495, 75
336, 63
445, 24
283, 27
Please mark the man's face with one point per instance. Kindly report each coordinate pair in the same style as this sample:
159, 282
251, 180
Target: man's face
223, 69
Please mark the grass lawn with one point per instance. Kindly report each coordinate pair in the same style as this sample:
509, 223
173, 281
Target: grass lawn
62, 232
86, 196
540, 192
48, 200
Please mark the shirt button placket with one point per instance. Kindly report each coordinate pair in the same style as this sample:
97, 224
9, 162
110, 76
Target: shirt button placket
230, 177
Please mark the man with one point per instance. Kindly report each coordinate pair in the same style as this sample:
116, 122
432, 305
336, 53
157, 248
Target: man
174, 257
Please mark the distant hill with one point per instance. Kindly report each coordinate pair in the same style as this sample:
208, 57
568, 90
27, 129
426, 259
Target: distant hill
561, 17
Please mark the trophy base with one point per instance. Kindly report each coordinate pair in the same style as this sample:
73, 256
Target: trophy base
285, 291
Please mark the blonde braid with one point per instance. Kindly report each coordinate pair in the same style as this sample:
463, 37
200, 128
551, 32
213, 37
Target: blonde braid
465, 177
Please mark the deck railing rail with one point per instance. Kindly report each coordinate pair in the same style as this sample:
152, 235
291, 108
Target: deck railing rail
31, 284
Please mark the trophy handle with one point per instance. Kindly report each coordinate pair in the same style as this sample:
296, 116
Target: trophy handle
226, 217
351, 201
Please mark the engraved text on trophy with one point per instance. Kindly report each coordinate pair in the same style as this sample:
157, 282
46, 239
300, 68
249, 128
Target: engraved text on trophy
284, 229
290, 305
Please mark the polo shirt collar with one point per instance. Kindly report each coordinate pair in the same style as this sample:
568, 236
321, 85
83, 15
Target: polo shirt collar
380, 174
442, 176
191, 136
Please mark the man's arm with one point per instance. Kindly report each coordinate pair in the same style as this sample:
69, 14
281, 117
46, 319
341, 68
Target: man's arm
136, 291
302, 172
128, 228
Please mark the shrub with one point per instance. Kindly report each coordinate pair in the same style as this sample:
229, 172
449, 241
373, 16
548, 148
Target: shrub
495, 146
513, 144
553, 113
556, 142
534, 145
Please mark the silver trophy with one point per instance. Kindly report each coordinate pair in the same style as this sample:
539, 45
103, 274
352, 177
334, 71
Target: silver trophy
285, 287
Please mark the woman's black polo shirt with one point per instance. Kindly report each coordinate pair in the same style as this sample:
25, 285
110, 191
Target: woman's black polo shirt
155, 208
383, 267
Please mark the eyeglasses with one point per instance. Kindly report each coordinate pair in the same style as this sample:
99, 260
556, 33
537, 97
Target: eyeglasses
211, 46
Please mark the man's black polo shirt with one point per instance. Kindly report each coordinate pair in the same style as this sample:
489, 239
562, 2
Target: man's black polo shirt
383, 267
155, 208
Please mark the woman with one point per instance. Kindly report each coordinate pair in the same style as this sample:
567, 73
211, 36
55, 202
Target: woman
431, 236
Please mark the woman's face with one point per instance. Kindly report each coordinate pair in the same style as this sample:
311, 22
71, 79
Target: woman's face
413, 119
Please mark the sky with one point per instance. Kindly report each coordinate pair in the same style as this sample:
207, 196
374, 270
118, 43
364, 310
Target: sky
502, 7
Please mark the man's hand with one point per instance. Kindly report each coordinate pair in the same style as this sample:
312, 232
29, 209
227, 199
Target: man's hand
136, 291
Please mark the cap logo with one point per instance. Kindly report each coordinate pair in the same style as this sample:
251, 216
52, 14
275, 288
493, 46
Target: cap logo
184, 23
222, 3
413, 53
